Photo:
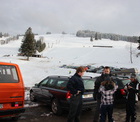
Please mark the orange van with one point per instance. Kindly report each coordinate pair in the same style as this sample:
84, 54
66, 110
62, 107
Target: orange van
11, 90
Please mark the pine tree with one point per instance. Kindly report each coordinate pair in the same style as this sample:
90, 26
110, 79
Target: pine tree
96, 36
0, 34
139, 43
28, 47
91, 39
40, 45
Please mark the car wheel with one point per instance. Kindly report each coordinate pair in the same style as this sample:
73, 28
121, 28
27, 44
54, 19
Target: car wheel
32, 96
56, 108
15, 118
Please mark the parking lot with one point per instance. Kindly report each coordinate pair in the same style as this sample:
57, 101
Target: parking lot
41, 113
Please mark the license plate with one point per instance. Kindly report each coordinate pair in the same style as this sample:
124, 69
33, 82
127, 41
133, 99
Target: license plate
87, 96
1, 105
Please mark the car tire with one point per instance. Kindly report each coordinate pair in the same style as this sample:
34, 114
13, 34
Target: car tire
32, 97
56, 108
15, 118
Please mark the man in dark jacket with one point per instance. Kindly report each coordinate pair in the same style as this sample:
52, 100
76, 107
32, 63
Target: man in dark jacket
76, 88
132, 89
97, 95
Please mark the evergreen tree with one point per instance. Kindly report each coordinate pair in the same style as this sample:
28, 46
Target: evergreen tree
91, 39
28, 47
40, 45
0, 34
139, 43
96, 36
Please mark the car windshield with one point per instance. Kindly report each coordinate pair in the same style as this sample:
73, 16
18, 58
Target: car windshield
89, 84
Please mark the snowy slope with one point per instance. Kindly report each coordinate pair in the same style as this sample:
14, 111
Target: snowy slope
70, 50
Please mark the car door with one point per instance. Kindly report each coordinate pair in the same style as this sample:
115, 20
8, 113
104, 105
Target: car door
40, 90
61, 89
47, 89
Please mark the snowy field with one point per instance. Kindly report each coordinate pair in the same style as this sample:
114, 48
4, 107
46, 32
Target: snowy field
69, 50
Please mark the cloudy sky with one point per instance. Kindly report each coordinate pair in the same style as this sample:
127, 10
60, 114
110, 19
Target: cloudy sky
107, 16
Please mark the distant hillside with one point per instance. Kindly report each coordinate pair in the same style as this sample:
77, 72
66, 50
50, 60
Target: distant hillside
98, 35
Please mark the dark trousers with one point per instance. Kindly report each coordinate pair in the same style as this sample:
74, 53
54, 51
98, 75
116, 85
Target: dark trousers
106, 110
130, 111
97, 111
75, 108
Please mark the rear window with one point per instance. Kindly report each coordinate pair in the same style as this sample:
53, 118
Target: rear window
8, 74
125, 81
89, 84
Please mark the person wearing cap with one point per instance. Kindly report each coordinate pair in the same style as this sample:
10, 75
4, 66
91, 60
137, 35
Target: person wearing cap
132, 89
76, 87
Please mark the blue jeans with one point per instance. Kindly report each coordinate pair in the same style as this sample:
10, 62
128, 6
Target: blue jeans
106, 110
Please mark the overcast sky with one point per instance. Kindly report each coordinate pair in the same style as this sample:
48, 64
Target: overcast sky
107, 16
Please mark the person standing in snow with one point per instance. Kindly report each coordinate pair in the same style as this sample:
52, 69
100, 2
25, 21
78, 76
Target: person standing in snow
107, 90
76, 87
132, 89
97, 95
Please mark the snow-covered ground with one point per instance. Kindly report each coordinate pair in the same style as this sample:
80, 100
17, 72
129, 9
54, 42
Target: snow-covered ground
69, 50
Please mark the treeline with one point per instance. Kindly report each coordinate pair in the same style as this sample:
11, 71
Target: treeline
8, 39
111, 36
4, 35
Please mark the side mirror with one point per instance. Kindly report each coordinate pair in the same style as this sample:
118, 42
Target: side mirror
36, 84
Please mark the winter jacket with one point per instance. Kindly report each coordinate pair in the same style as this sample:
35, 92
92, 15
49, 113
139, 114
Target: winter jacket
132, 93
98, 82
107, 95
75, 84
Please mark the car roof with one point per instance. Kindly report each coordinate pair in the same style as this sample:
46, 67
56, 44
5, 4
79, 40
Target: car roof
58, 76
67, 77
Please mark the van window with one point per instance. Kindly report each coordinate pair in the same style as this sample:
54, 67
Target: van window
8, 74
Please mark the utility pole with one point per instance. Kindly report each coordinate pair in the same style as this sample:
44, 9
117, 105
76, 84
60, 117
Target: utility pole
131, 53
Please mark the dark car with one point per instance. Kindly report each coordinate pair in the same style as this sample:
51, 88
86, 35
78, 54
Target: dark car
120, 94
52, 90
